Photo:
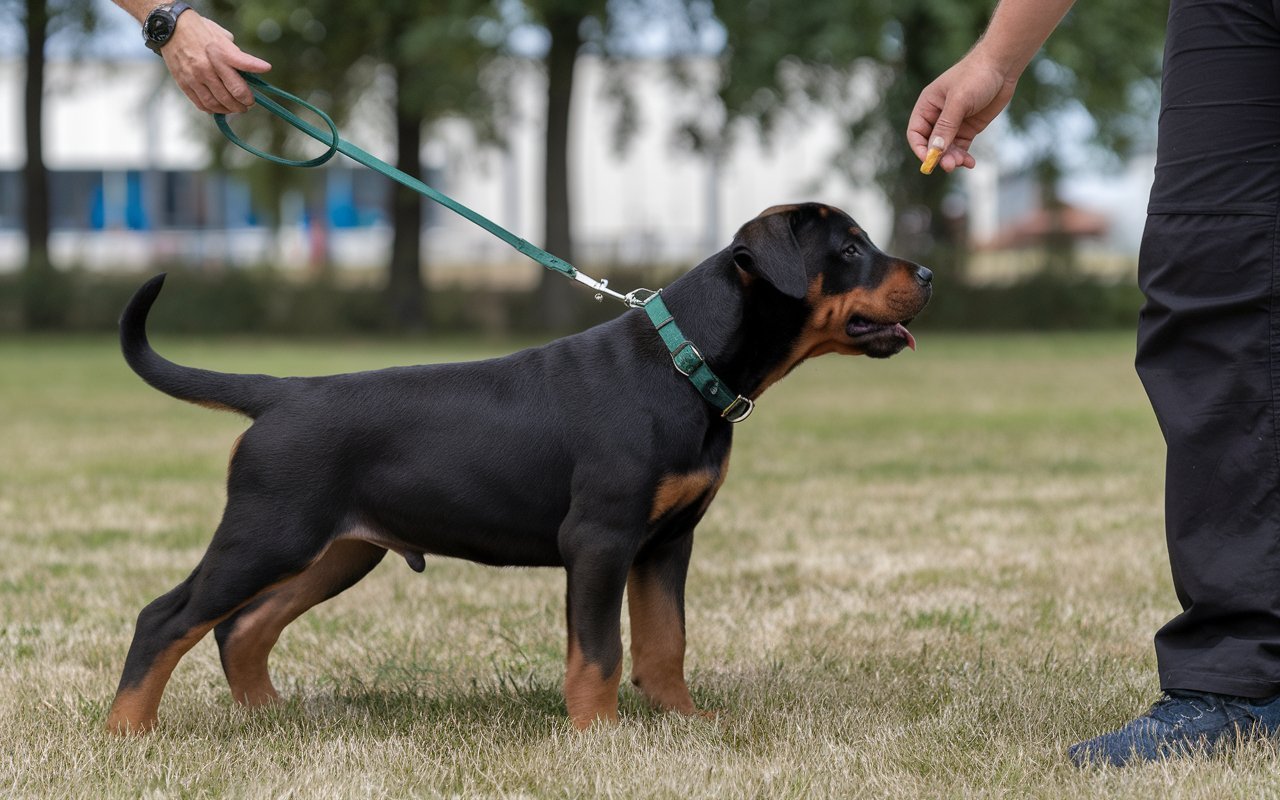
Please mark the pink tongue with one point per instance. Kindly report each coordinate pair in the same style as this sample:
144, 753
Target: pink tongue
911, 340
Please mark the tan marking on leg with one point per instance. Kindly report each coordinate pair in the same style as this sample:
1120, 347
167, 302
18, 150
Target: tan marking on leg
246, 650
244, 658
676, 491
134, 709
589, 694
657, 645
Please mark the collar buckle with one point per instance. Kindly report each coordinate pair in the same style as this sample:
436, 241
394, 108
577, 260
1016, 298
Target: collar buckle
687, 358
689, 361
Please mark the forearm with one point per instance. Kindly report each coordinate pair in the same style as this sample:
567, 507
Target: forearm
1018, 29
138, 9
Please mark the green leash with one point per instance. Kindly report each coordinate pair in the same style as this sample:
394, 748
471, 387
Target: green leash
684, 355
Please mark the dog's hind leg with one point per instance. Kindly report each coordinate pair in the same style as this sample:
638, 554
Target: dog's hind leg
245, 638
655, 600
247, 557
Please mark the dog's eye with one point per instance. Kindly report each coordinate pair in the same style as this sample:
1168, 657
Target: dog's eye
852, 251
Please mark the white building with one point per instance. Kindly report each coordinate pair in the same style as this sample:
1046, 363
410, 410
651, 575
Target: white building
133, 188
130, 157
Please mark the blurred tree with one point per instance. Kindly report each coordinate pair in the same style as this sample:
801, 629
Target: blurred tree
869, 60
426, 62
563, 21
446, 59
608, 28
42, 290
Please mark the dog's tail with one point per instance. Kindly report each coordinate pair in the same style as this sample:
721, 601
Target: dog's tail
248, 394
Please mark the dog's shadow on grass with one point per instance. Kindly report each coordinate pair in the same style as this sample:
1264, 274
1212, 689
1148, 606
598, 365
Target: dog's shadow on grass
527, 713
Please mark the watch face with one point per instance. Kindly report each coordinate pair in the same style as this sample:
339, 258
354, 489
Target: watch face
159, 28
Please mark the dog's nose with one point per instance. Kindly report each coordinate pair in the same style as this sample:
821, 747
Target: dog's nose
924, 275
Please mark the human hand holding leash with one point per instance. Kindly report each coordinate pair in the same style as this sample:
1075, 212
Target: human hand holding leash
203, 59
200, 54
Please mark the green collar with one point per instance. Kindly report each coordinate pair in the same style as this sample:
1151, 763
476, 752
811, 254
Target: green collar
689, 362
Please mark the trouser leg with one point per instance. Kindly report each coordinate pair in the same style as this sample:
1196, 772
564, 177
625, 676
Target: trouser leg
1207, 357
1209, 342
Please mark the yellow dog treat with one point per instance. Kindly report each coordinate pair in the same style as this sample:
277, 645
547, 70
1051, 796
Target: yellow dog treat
930, 160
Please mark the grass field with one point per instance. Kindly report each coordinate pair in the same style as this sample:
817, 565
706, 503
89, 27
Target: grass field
923, 578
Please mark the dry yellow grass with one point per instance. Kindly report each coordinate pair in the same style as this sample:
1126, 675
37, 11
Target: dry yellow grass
923, 578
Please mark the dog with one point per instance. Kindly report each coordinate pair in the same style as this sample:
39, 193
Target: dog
593, 453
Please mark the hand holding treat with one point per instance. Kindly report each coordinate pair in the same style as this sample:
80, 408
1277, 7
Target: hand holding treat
954, 109
964, 100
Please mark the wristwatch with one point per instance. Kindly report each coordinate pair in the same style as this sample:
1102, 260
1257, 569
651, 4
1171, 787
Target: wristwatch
158, 27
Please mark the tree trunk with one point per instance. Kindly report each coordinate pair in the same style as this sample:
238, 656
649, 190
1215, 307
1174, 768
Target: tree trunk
1059, 245
556, 295
40, 296
405, 289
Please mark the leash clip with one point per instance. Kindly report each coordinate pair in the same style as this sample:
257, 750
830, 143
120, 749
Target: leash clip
638, 298
601, 286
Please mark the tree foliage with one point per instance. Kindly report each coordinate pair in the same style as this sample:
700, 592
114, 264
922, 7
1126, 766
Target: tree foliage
450, 58
606, 28
869, 60
424, 61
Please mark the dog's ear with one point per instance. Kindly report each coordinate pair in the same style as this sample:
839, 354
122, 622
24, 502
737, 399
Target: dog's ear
767, 248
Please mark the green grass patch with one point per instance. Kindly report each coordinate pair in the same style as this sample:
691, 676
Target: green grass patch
923, 578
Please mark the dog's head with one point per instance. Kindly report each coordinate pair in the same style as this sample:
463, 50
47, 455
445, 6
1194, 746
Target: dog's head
858, 299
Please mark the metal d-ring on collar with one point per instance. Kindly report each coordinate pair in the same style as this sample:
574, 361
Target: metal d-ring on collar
686, 357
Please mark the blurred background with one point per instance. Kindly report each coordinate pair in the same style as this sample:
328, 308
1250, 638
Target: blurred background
629, 137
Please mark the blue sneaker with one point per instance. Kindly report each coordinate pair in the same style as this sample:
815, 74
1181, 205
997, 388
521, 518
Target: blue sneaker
1181, 723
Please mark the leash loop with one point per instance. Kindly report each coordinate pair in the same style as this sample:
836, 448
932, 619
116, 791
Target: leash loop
337, 144
260, 86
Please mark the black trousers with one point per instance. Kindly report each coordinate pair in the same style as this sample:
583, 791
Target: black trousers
1209, 342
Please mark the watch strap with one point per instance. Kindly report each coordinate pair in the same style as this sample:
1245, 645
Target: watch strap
173, 11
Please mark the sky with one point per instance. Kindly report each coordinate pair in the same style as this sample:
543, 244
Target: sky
121, 36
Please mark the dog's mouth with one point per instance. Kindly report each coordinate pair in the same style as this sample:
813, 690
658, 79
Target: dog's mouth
880, 339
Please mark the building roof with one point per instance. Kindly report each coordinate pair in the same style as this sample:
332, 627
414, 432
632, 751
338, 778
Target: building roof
1034, 227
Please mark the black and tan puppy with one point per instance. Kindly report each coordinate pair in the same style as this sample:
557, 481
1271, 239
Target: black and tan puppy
590, 453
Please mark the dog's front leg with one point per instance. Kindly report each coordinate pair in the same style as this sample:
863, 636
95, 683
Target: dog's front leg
597, 575
655, 599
